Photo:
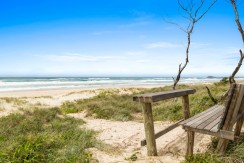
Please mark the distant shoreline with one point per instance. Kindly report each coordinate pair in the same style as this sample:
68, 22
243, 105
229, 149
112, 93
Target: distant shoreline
37, 84
64, 91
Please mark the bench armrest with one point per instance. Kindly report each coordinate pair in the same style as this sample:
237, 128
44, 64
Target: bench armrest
154, 97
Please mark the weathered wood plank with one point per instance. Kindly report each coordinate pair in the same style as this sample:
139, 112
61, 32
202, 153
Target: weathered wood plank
229, 113
227, 106
185, 100
149, 129
239, 126
212, 124
238, 117
154, 97
225, 134
160, 133
201, 131
209, 120
230, 135
190, 143
222, 145
198, 115
215, 129
239, 104
239, 111
204, 115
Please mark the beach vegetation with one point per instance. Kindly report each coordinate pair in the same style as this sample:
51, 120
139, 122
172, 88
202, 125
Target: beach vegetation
44, 135
109, 104
15, 101
234, 153
48, 97
106, 105
133, 157
224, 80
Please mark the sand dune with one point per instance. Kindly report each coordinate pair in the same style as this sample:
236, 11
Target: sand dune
123, 136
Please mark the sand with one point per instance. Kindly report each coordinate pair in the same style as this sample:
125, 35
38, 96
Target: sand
125, 137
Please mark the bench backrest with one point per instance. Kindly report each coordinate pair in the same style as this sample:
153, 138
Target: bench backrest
234, 107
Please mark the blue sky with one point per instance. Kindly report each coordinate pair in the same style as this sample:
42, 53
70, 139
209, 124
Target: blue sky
114, 38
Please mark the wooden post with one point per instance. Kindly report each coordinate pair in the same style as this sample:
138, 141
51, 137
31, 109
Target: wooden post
190, 143
239, 126
222, 145
185, 100
190, 134
149, 129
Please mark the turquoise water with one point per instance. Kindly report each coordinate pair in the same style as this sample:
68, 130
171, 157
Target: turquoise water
32, 83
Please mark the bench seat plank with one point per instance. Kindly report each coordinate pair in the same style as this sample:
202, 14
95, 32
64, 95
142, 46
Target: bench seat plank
212, 124
198, 119
215, 129
210, 120
207, 120
207, 117
197, 115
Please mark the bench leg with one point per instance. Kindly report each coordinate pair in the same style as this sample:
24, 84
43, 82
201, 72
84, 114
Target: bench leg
222, 145
239, 126
190, 143
149, 129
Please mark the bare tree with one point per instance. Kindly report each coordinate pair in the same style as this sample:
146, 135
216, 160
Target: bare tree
238, 23
193, 12
237, 68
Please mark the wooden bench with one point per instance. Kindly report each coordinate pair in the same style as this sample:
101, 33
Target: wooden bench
218, 120
146, 100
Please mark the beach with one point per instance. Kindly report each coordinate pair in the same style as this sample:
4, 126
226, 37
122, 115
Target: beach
125, 136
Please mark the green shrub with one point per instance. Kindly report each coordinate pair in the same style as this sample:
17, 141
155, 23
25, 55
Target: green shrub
234, 153
224, 80
44, 136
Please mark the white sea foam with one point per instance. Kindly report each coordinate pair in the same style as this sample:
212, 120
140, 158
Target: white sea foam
20, 84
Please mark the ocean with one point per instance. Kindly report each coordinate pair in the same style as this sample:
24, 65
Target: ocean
45, 83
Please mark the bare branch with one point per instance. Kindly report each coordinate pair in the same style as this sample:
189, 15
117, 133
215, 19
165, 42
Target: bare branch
233, 2
231, 78
211, 5
176, 24
200, 6
215, 101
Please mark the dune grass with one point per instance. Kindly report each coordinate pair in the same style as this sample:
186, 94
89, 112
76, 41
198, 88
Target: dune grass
234, 153
43, 135
107, 105
110, 104
15, 101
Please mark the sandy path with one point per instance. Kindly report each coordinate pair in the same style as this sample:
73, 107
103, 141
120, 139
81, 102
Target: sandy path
126, 136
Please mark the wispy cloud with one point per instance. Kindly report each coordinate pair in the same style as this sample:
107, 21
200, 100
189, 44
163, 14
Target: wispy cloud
163, 45
199, 45
79, 57
135, 53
